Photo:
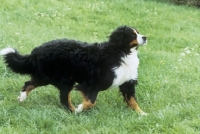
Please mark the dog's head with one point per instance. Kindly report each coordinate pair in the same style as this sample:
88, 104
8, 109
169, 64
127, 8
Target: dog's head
127, 36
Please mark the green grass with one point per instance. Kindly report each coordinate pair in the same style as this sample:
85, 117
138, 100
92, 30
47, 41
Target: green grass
169, 79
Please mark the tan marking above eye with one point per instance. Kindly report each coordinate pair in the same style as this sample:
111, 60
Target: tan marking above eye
135, 31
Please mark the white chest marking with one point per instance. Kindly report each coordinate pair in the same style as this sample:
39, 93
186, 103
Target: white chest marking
127, 70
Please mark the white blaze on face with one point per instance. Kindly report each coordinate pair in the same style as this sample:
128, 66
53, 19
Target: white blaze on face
140, 38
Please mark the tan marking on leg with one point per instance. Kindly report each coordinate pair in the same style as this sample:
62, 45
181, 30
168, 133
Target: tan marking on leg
24, 93
71, 107
133, 105
87, 104
29, 89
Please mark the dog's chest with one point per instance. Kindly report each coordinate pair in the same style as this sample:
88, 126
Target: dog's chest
127, 70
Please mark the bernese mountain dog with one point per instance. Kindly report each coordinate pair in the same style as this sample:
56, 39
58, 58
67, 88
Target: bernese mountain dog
90, 68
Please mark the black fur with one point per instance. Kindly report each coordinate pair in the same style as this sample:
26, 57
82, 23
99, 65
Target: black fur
64, 62
128, 89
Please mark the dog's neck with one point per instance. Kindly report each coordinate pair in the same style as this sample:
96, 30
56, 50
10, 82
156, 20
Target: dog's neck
134, 50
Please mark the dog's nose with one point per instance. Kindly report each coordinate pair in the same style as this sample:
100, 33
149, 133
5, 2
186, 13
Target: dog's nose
144, 38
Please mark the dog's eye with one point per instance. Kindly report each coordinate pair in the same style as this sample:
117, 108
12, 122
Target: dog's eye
134, 34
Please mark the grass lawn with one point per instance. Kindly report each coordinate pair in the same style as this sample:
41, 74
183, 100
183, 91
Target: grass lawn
169, 78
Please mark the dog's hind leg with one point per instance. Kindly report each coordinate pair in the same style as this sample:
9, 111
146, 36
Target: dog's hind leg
65, 98
89, 100
128, 91
26, 89
65, 89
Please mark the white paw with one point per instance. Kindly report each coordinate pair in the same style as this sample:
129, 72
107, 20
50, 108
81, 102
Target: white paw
79, 108
22, 96
143, 113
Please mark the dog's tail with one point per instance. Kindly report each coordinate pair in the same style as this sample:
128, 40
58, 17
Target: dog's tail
17, 63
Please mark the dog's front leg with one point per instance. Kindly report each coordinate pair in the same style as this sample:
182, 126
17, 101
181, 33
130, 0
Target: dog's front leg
128, 91
65, 100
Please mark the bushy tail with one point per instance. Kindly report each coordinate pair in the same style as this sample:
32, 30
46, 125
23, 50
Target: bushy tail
17, 63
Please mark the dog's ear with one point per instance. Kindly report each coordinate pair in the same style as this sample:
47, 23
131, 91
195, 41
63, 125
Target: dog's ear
124, 28
117, 36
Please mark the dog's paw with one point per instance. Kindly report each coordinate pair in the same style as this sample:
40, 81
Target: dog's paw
22, 96
79, 108
143, 113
